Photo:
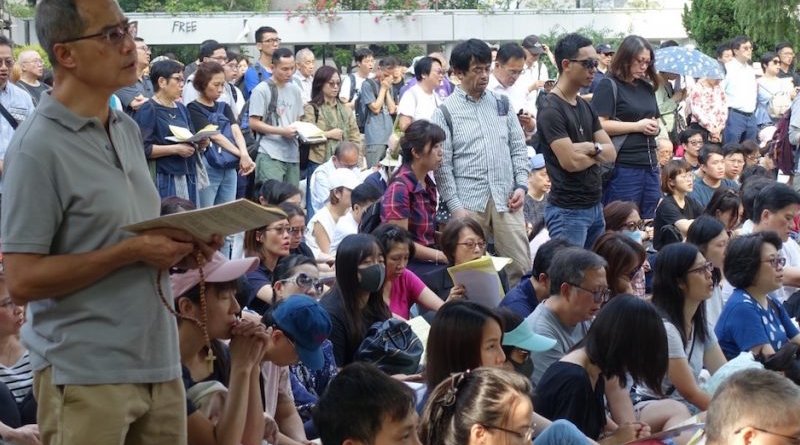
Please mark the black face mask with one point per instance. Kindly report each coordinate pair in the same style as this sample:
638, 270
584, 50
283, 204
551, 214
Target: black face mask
371, 277
525, 368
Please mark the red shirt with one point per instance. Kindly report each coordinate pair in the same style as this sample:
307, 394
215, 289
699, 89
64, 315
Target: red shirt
406, 198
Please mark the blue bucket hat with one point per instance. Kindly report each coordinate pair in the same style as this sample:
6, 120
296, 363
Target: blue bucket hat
307, 325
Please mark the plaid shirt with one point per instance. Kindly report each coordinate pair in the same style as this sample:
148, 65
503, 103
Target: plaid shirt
406, 198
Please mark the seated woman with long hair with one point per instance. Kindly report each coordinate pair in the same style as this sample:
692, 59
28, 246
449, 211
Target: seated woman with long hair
627, 338
402, 288
355, 302
682, 284
465, 336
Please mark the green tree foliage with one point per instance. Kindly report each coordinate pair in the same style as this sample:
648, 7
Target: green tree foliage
711, 22
768, 22
193, 5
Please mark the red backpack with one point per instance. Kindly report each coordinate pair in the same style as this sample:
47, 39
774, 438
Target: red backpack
783, 151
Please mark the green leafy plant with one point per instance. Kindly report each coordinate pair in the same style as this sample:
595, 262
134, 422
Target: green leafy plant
711, 22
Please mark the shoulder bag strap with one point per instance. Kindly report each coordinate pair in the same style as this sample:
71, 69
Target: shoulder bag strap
11, 121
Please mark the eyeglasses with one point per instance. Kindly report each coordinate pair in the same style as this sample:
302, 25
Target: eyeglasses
280, 230
144, 48
527, 436
589, 64
7, 304
598, 296
695, 141
7, 62
296, 230
634, 225
776, 262
305, 282
775, 61
643, 62
472, 244
333, 84
707, 267
791, 439
272, 41
178, 79
114, 35
35, 62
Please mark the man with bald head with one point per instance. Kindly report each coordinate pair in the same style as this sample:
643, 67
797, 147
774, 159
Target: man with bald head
31, 70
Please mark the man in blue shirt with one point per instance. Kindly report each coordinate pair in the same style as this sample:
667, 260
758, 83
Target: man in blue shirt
535, 287
267, 41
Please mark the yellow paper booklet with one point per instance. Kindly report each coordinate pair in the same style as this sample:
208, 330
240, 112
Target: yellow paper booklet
480, 279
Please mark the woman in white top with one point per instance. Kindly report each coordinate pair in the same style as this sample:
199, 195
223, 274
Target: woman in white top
322, 226
420, 101
681, 285
775, 94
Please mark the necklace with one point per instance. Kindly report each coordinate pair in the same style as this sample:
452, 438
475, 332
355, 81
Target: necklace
574, 109
163, 103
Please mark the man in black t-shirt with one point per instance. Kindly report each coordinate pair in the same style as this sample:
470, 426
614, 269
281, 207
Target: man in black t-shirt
574, 146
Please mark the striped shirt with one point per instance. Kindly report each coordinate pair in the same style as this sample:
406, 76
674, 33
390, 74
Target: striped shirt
485, 152
19, 377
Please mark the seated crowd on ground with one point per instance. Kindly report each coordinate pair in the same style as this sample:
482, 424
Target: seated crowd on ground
631, 261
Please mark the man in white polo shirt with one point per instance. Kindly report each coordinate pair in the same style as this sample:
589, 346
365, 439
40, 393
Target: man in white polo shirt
741, 92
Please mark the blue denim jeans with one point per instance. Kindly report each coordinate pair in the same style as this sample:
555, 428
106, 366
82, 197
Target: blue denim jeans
739, 128
560, 432
581, 227
221, 189
641, 186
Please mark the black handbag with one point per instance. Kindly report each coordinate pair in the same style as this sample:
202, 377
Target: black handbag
392, 346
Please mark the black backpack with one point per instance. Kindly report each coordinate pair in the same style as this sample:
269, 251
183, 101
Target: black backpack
371, 217
360, 108
270, 116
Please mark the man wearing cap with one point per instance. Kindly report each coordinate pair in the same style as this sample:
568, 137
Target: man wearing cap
538, 188
604, 55
344, 156
535, 73
296, 329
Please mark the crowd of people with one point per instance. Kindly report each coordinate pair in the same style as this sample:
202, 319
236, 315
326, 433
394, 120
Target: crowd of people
651, 242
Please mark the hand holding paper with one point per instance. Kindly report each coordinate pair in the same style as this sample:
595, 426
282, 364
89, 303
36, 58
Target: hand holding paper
181, 134
480, 279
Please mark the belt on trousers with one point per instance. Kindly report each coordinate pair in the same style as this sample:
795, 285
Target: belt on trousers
740, 112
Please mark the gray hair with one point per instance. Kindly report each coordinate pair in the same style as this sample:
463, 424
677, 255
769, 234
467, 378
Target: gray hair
303, 55
569, 264
753, 397
56, 21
